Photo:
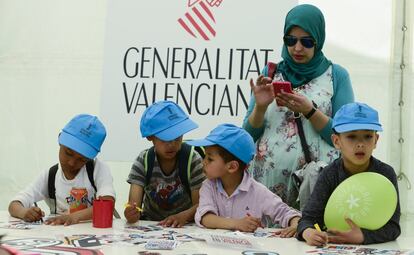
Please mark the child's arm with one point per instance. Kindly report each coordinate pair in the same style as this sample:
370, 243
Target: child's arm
390, 231
131, 213
246, 224
207, 212
353, 236
314, 237
21, 205
180, 219
76, 217
315, 208
290, 230
17, 210
279, 212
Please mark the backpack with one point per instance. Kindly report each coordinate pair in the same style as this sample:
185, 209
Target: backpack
271, 69
90, 166
185, 157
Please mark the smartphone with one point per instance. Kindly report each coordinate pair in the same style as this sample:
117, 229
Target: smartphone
279, 86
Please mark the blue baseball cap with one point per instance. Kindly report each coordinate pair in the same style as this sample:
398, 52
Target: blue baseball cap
84, 134
232, 138
356, 116
165, 120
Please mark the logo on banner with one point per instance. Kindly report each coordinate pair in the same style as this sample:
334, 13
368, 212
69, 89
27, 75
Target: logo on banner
199, 20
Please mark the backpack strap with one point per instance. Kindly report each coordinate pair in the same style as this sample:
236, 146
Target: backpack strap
200, 150
51, 185
51, 181
90, 166
271, 69
149, 159
185, 158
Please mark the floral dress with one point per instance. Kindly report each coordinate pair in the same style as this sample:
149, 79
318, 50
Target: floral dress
279, 151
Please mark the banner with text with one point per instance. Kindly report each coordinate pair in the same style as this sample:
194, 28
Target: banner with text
197, 53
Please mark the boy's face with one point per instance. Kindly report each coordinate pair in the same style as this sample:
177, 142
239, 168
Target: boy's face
166, 150
71, 161
214, 165
356, 148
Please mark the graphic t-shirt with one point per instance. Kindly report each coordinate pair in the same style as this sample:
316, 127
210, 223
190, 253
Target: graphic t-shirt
165, 195
65, 198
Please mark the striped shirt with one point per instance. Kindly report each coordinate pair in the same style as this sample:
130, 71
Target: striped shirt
165, 195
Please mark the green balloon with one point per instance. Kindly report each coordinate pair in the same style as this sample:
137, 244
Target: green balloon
368, 199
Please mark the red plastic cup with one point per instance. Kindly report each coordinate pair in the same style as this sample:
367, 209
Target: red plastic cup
102, 212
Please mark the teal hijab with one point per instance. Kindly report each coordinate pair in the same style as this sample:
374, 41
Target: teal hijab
310, 19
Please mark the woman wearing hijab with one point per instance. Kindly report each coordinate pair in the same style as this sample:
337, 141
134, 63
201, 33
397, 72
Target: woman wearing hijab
320, 89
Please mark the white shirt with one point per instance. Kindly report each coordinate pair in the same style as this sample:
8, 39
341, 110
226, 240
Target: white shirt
38, 190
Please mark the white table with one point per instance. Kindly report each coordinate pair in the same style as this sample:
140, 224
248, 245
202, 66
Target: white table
278, 245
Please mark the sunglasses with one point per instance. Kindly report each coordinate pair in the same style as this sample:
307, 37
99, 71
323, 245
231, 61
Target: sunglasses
307, 42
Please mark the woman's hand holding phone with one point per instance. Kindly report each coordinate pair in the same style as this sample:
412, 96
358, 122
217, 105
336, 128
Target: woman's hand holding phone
296, 102
279, 87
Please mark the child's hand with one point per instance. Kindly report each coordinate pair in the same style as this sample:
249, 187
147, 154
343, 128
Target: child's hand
291, 229
33, 214
248, 224
175, 221
315, 237
353, 236
65, 220
131, 213
287, 232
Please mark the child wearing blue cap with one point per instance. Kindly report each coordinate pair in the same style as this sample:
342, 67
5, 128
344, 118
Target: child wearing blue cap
355, 127
79, 172
231, 198
167, 183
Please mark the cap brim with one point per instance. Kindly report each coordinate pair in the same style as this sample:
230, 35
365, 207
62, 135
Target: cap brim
357, 126
77, 145
200, 142
177, 130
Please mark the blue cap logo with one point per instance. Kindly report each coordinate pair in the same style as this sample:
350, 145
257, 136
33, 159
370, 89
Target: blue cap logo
84, 134
356, 116
232, 138
165, 120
